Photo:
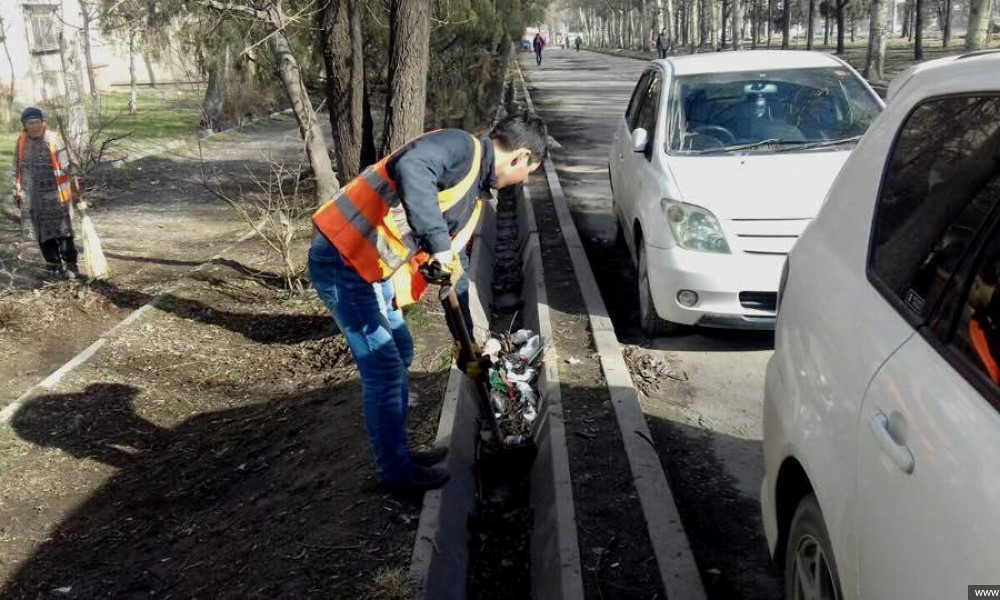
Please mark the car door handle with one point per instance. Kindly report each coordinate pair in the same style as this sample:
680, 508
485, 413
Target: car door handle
899, 453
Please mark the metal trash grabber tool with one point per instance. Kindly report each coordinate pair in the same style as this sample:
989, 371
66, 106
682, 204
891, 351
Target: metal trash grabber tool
470, 360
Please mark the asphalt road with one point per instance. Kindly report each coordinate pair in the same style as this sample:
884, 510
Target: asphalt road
707, 425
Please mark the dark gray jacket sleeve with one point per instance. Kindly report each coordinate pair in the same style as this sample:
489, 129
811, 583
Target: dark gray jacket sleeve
421, 171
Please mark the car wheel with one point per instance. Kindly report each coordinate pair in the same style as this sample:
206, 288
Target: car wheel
652, 324
810, 569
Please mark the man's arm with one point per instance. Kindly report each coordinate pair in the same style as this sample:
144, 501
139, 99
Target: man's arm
419, 173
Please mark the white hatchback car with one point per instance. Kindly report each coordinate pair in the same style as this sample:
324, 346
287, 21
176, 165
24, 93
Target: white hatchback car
717, 166
881, 422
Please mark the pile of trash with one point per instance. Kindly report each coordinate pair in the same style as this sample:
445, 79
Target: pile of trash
513, 397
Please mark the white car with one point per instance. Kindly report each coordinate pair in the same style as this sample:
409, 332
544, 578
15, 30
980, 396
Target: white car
718, 164
881, 423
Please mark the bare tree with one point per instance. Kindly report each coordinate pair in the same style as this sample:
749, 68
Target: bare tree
877, 40
918, 44
786, 24
275, 211
273, 17
6, 95
811, 29
343, 56
737, 14
409, 45
978, 34
841, 6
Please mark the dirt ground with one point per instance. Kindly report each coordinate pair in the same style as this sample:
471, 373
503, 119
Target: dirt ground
156, 221
216, 446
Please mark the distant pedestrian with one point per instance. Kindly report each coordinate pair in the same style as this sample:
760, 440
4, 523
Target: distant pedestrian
663, 43
539, 45
578, 42
41, 177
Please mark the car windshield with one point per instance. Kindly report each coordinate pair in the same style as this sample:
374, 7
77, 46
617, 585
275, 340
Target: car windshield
768, 111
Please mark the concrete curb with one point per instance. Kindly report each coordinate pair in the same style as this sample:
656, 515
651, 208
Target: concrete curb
555, 547
678, 570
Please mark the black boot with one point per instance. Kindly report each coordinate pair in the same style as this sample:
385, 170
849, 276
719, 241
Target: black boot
53, 270
72, 271
421, 479
428, 458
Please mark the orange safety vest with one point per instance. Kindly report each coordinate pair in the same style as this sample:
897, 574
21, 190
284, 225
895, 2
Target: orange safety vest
982, 347
62, 179
367, 224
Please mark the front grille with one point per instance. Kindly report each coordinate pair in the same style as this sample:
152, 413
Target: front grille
764, 301
768, 236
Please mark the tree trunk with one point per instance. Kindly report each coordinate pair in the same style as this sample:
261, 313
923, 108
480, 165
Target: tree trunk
132, 94
854, 23
770, 22
875, 62
918, 46
978, 35
826, 32
693, 25
341, 44
811, 29
409, 46
7, 103
786, 24
77, 128
946, 23
737, 14
704, 38
369, 154
841, 5
215, 93
298, 96
85, 10
150, 72
726, 11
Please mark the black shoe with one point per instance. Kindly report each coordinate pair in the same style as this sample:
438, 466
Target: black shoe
421, 479
54, 271
428, 458
72, 271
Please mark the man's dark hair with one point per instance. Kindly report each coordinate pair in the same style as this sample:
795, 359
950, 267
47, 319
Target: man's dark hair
523, 130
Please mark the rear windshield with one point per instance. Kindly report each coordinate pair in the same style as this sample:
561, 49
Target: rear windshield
718, 112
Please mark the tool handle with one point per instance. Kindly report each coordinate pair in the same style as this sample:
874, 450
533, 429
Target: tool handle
435, 272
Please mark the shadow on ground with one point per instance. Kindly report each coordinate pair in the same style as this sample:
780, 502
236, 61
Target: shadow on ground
261, 328
270, 500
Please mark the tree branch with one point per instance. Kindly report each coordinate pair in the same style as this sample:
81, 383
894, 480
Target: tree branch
238, 8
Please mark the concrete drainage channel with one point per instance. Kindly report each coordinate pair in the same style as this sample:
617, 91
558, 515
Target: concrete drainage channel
450, 520
442, 563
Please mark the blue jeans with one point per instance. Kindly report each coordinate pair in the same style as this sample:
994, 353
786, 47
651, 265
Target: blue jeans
382, 348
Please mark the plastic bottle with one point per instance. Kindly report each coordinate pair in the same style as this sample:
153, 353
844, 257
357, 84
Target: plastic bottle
530, 350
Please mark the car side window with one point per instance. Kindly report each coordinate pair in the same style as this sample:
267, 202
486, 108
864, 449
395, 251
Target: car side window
977, 338
941, 184
650, 107
637, 97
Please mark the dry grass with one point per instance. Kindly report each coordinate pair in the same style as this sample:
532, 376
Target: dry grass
390, 584
11, 314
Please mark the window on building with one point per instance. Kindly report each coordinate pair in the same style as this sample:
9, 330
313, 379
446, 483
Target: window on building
44, 27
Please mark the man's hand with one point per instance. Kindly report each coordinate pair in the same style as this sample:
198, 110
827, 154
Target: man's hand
452, 263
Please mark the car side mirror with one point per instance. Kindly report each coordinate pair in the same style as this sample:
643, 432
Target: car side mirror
640, 140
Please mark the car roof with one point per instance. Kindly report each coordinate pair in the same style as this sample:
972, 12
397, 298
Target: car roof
976, 68
747, 60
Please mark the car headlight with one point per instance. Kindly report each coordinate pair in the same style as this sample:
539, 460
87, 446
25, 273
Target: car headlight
694, 228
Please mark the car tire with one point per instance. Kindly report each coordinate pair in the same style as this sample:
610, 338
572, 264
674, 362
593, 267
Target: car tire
652, 324
810, 567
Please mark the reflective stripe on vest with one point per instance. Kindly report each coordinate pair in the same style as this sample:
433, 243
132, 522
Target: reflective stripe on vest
409, 284
367, 223
62, 179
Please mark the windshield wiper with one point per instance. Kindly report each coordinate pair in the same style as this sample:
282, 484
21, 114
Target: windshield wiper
751, 146
823, 144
